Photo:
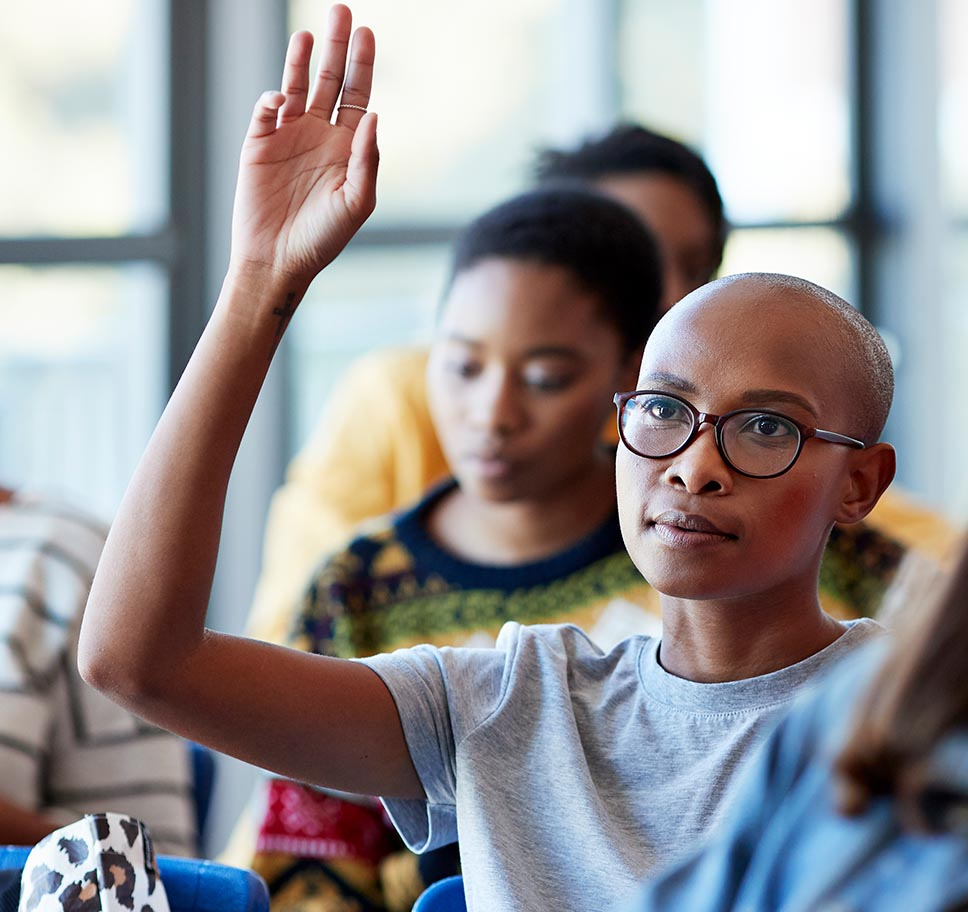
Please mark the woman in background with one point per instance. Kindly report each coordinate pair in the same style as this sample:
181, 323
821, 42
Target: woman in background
551, 297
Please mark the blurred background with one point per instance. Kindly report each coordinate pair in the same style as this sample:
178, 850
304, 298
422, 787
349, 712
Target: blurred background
837, 129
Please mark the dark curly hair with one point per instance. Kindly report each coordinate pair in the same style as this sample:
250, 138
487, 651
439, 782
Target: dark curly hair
629, 149
605, 247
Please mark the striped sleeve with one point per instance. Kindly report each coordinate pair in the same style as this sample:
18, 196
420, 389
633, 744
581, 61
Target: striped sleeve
65, 750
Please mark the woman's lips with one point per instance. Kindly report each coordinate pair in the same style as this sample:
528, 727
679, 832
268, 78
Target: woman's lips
688, 529
488, 466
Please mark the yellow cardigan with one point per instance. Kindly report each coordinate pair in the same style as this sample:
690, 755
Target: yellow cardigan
374, 450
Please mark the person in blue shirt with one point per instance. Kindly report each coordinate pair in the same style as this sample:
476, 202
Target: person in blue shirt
854, 802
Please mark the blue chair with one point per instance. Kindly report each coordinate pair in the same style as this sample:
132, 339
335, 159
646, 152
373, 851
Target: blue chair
446, 895
203, 779
191, 884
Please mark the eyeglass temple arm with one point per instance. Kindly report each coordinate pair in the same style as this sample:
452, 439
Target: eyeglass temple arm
839, 438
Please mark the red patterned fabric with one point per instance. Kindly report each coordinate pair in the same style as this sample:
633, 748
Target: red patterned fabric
304, 821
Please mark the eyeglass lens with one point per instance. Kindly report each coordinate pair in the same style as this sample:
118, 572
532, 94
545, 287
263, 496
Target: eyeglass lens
757, 443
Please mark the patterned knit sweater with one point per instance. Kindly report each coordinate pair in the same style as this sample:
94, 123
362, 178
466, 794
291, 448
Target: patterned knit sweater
395, 586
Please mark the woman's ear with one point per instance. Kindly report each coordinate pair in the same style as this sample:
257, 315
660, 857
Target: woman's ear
872, 470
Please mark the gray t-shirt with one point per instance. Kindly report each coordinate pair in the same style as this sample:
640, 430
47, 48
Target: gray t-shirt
568, 773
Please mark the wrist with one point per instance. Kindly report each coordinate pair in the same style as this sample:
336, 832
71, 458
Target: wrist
258, 302
261, 281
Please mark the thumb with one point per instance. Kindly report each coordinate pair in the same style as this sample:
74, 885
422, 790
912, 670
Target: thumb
263, 121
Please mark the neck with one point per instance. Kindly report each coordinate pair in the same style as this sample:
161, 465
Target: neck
731, 639
521, 531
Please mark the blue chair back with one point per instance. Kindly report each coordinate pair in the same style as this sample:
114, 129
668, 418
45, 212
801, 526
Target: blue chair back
191, 884
203, 779
446, 895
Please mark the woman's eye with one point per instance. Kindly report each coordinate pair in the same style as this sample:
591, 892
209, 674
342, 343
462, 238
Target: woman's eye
769, 426
548, 383
464, 369
663, 409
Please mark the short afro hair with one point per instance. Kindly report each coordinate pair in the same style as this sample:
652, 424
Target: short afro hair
628, 149
610, 253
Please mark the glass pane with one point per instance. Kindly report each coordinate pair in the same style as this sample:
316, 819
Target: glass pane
820, 255
465, 92
367, 298
953, 105
760, 86
951, 484
662, 62
84, 111
82, 377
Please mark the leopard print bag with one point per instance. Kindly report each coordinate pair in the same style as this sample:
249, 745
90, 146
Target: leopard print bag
100, 863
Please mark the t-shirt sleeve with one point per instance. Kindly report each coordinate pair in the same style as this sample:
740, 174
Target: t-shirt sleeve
442, 694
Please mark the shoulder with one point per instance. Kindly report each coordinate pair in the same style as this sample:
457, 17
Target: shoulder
823, 711
859, 631
399, 367
854, 672
564, 641
528, 666
519, 649
563, 659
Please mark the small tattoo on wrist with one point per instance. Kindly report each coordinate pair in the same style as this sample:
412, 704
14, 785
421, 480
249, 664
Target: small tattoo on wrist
285, 315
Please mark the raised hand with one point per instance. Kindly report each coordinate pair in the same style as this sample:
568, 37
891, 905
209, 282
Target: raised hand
306, 183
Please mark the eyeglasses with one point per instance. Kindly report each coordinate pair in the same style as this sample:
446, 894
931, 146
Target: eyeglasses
759, 443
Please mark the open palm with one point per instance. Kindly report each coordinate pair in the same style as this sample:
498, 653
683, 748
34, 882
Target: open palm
307, 184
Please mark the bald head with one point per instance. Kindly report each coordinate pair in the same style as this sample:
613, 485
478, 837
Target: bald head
805, 326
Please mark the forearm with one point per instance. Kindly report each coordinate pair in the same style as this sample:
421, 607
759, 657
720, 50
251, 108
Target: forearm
305, 186
160, 556
143, 639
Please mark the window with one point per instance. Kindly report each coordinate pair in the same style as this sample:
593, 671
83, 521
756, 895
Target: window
458, 130
84, 179
953, 140
795, 105
82, 376
762, 89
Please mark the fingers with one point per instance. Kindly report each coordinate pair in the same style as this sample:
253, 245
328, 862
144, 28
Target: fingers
334, 76
295, 76
265, 115
332, 62
359, 79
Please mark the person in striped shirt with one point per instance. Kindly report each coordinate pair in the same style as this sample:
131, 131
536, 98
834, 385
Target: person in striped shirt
65, 750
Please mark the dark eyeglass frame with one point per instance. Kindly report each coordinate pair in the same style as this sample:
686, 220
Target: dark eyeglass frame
805, 432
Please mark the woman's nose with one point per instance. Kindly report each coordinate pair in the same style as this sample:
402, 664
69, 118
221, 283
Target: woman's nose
700, 468
496, 405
